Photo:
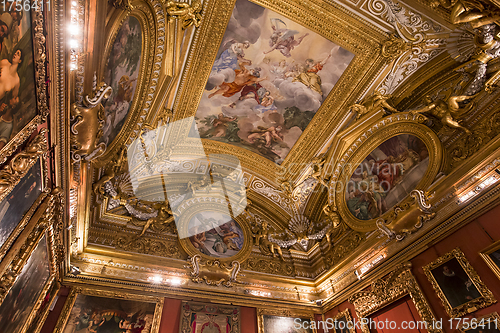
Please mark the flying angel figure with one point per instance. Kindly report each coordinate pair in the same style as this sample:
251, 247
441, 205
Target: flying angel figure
283, 39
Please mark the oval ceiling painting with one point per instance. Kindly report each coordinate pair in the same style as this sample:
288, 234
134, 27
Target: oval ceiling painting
386, 176
121, 73
215, 234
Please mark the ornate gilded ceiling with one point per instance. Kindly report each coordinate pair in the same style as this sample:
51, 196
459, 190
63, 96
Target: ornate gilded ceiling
292, 141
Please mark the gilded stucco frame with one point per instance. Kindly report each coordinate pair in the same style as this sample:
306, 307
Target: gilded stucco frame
383, 292
41, 225
39, 66
347, 314
15, 171
189, 248
369, 138
485, 254
75, 291
486, 298
326, 19
492, 317
261, 312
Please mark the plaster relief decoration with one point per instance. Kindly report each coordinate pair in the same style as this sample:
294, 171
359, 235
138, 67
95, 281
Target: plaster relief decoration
201, 317
386, 176
421, 41
213, 272
121, 73
269, 78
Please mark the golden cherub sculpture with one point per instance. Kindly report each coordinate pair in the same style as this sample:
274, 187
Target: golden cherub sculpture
189, 14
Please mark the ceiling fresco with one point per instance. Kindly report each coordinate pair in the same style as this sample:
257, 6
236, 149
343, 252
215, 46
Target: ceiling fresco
269, 78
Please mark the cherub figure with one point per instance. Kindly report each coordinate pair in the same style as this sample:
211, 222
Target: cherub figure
318, 165
283, 39
165, 216
261, 235
370, 103
447, 111
468, 11
333, 215
269, 134
189, 14
110, 172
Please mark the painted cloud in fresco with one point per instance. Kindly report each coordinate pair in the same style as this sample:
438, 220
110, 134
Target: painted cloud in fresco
269, 78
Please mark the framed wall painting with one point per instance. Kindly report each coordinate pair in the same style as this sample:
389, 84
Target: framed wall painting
485, 324
457, 284
110, 311
491, 255
284, 321
382, 168
342, 322
23, 93
208, 317
32, 272
24, 188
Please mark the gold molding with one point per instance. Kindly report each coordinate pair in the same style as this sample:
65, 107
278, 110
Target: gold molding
483, 320
70, 301
39, 65
485, 254
483, 301
282, 312
385, 291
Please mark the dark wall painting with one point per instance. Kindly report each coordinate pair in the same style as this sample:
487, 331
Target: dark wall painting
19, 201
28, 287
99, 314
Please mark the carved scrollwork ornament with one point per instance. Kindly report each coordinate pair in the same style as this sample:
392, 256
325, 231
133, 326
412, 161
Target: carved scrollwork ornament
122, 4
213, 272
87, 121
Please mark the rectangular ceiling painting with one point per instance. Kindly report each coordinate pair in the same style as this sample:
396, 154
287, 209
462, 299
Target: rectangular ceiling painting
269, 78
